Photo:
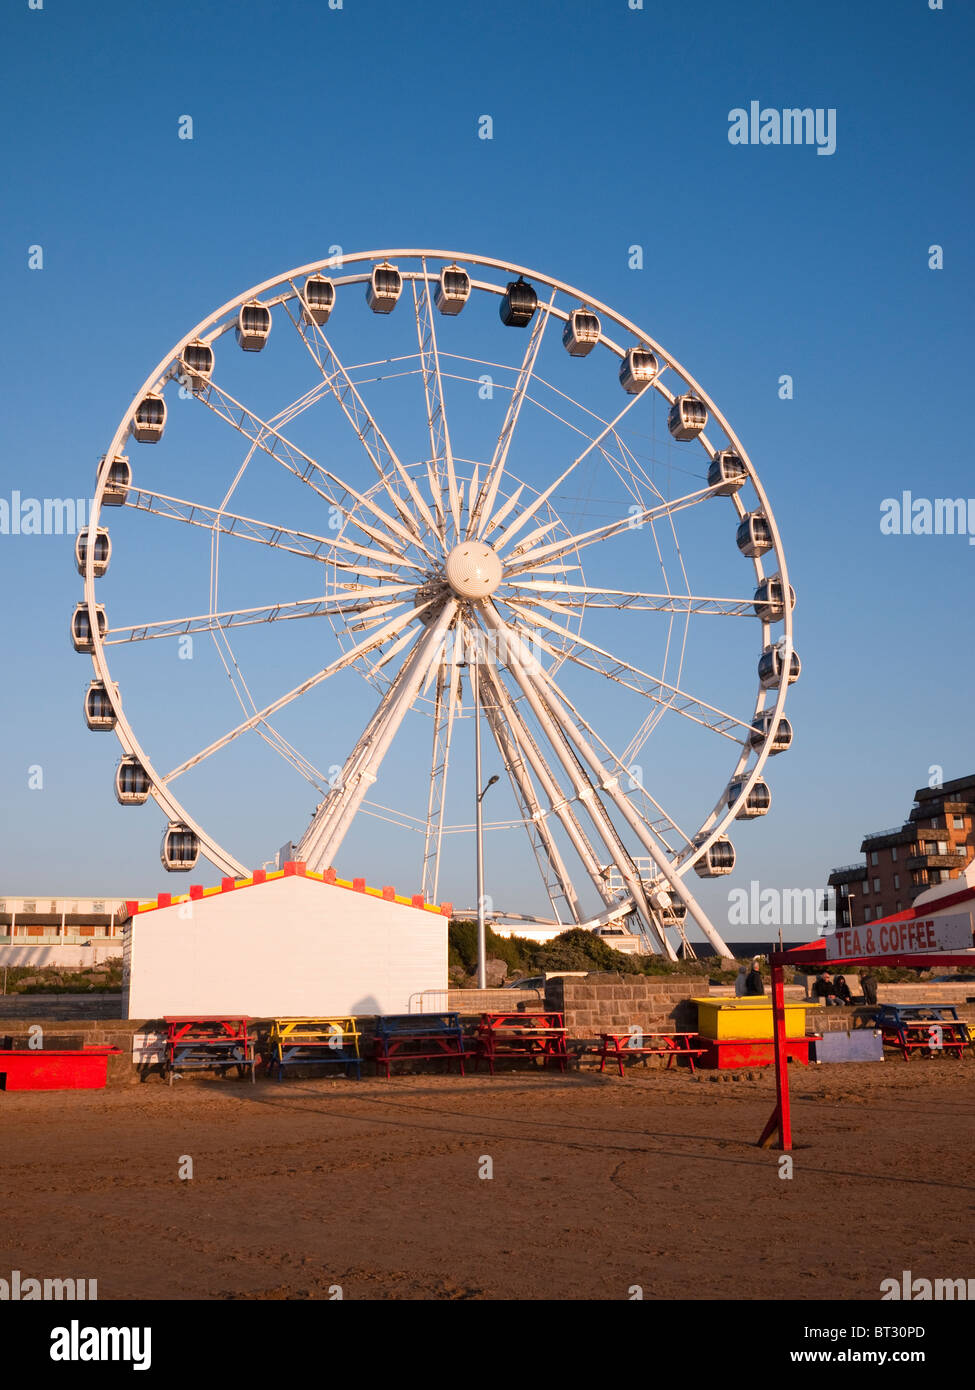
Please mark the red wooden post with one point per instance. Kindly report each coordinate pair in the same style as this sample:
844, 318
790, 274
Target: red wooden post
781, 1118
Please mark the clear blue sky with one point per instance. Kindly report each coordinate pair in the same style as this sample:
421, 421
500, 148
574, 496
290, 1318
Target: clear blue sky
359, 127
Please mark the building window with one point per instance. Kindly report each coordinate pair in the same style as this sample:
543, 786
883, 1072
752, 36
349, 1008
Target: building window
893, 853
958, 822
874, 857
876, 885
897, 880
898, 907
942, 846
867, 912
29, 907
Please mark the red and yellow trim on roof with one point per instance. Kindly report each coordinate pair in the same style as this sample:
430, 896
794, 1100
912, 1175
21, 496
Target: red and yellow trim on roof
291, 869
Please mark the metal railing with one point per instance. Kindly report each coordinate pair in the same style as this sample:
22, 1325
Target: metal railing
891, 830
428, 1001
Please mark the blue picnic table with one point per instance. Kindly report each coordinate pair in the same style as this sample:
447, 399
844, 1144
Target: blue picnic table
925, 1028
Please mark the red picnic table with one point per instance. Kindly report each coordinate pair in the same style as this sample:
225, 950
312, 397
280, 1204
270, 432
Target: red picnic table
669, 1045
521, 1034
208, 1040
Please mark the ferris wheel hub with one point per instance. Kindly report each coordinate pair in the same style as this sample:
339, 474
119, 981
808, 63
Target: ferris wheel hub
473, 569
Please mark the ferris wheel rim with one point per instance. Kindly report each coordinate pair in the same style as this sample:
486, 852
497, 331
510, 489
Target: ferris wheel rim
718, 821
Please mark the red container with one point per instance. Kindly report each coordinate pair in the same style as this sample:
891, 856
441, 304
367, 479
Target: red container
733, 1053
76, 1070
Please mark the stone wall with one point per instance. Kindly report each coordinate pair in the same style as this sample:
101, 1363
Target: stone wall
471, 1003
604, 1003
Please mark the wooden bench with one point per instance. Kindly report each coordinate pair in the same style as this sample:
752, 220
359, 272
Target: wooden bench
320, 1042
669, 1045
418, 1038
521, 1034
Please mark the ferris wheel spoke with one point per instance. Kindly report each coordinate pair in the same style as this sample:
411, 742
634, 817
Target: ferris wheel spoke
586, 596
440, 466
361, 649
614, 668
324, 836
245, 617
447, 705
371, 437
527, 559
504, 510
524, 517
271, 534
267, 437
482, 506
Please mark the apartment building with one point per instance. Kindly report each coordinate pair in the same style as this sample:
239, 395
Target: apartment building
934, 844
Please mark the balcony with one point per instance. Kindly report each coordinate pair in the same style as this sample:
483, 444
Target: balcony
937, 861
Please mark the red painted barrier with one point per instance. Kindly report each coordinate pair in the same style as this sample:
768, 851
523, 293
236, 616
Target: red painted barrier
27, 1070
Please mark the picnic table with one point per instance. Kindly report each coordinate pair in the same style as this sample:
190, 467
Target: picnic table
209, 1040
522, 1034
629, 1044
418, 1037
314, 1042
925, 1028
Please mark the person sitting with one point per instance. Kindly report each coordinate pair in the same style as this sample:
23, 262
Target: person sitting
824, 988
842, 990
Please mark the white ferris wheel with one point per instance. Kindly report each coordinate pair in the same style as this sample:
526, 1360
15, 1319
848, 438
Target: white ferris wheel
486, 493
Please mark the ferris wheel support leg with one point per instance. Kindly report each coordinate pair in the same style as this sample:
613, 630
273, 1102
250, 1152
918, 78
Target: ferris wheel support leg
584, 788
442, 733
331, 804
610, 784
557, 800
319, 845
515, 763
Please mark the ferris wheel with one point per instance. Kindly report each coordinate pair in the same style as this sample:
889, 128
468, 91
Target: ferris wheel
485, 492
